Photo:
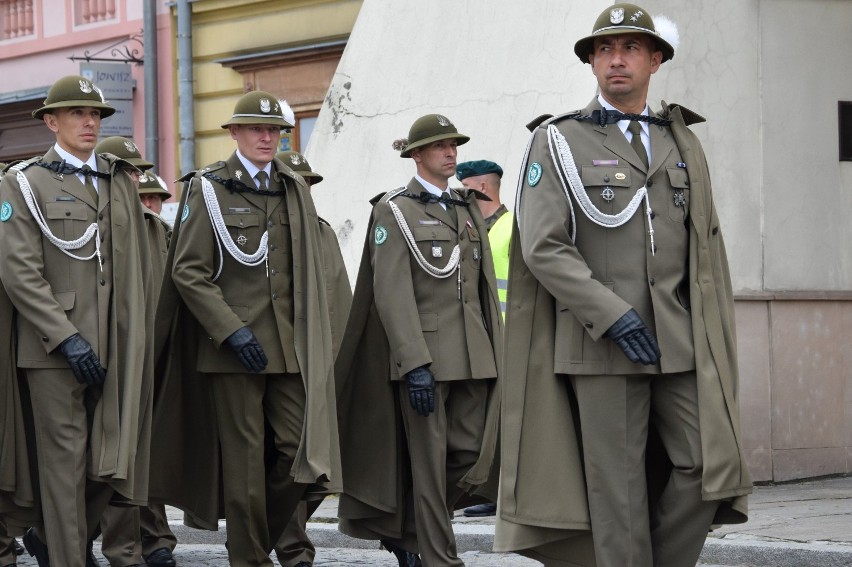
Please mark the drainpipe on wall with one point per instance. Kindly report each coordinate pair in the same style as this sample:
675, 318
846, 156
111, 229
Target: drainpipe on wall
152, 110
185, 87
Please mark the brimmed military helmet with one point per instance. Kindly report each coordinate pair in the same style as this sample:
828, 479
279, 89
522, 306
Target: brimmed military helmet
74, 90
298, 163
428, 129
258, 107
621, 19
153, 184
125, 149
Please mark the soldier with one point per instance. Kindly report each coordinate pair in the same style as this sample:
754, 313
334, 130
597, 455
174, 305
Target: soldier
70, 237
294, 548
247, 263
628, 301
133, 536
421, 350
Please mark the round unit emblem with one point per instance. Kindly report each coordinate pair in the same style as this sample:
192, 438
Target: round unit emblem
381, 235
607, 194
5, 211
185, 214
534, 174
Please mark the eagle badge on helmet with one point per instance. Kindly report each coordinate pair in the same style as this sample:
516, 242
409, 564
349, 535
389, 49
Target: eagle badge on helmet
294, 159
616, 15
265, 106
85, 86
131, 147
443, 120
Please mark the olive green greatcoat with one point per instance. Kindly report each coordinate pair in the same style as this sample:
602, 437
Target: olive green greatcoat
52, 297
373, 445
544, 514
186, 469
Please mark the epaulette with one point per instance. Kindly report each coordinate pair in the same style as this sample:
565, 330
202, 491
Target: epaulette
378, 198
212, 167
557, 118
535, 122
478, 195
186, 176
689, 117
9, 165
23, 164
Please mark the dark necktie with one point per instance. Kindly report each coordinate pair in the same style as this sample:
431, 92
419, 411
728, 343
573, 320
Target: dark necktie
636, 141
262, 179
89, 182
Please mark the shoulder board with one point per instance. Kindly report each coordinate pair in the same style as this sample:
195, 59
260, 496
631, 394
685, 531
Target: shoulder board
689, 117
323, 221
465, 193
388, 195
23, 164
9, 165
186, 176
212, 167
559, 117
535, 122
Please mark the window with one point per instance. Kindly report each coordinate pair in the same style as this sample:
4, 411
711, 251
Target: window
844, 120
297, 138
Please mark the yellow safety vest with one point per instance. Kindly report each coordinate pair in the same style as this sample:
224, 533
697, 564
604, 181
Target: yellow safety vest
499, 237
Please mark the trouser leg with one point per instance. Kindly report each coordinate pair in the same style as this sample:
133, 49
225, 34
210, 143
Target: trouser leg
284, 406
294, 545
7, 546
442, 447
71, 504
614, 414
155, 530
121, 542
680, 519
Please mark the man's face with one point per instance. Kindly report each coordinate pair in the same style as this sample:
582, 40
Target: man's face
76, 129
134, 175
257, 142
436, 162
623, 65
152, 201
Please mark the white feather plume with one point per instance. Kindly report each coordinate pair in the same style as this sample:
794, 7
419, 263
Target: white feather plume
288, 113
667, 30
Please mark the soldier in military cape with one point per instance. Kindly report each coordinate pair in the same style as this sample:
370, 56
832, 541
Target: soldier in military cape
250, 345
619, 284
421, 350
72, 231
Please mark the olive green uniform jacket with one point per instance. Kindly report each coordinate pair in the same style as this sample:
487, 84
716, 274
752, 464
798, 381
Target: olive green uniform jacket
52, 297
373, 446
543, 511
186, 470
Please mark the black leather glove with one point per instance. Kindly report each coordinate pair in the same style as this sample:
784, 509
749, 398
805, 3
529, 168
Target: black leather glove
421, 390
634, 338
248, 350
83, 361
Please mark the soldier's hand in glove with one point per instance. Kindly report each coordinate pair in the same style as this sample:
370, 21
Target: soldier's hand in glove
248, 350
421, 390
83, 361
634, 338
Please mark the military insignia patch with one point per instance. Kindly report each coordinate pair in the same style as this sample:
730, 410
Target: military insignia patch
185, 214
85, 86
238, 174
620, 176
294, 159
443, 121
616, 15
534, 174
265, 106
5, 211
131, 147
381, 235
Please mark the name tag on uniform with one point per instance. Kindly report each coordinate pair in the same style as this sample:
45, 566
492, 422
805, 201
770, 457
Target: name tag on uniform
66, 198
430, 222
238, 210
604, 162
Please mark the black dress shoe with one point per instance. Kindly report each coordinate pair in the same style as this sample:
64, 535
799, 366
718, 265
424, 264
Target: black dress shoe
480, 510
161, 557
19, 549
36, 548
405, 558
91, 561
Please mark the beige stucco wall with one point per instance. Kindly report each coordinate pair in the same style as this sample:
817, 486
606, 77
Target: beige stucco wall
767, 75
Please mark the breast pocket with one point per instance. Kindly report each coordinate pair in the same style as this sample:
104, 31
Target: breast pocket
435, 243
678, 197
244, 229
608, 187
70, 219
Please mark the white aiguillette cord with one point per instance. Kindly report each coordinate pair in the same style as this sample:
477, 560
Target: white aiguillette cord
224, 237
92, 231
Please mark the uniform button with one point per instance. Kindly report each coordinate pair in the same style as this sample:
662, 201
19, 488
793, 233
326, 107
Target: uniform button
271, 247
45, 339
589, 325
399, 364
649, 183
274, 296
67, 213
272, 271
606, 178
268, 223
101, 216
653, 215
103, 282
102, 238
652, 281
715, 229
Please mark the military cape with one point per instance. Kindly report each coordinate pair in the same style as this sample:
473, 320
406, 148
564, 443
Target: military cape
186, 465
376, 478
120, 436
543, 509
